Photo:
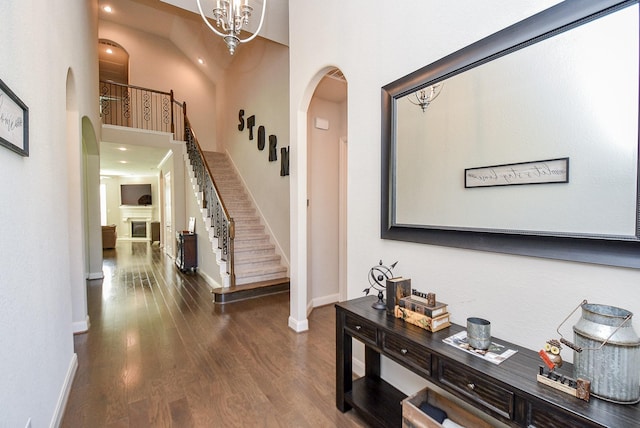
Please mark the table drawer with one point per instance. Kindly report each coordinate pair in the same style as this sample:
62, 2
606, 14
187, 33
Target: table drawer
477, 388
361, 329
547, 417
417, 356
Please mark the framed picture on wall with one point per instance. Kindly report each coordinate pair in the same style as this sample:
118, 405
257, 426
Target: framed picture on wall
14, 121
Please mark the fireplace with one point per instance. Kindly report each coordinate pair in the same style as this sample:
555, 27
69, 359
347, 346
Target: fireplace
137, 220
138, 229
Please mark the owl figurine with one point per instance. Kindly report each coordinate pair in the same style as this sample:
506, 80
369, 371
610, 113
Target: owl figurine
552, 348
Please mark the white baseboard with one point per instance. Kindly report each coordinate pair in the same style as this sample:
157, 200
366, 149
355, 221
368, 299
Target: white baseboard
210, 281
95, 275
325, 300
81, 326
64, 393
298, 326
322, 301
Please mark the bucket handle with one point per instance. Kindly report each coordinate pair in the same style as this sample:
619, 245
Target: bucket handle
578, 348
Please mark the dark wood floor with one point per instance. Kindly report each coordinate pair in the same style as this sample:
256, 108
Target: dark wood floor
160, 354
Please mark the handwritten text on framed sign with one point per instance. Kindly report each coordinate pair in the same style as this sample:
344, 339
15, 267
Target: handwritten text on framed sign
537, 172
14, 122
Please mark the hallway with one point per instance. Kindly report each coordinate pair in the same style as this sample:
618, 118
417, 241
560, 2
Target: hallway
159, 353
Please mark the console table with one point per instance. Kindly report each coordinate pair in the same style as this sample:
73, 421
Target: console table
509, 391
187, 251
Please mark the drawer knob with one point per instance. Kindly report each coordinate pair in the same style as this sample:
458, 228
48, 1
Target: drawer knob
403, 351
358, 327
471, 386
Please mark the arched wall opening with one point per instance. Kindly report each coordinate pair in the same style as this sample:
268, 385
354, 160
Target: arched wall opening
76, 218
91, 200
326, 164
318, 220
113, 62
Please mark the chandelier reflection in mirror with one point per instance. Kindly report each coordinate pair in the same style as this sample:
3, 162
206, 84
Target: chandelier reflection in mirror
231, 16
425, 96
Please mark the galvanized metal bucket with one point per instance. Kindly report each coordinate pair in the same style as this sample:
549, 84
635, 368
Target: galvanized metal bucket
607, 353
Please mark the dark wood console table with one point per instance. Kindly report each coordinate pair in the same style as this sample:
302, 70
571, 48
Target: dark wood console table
508, 391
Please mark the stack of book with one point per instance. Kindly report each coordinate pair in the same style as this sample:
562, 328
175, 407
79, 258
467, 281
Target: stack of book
418, 310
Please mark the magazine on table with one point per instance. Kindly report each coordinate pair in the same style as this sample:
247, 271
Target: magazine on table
495, 354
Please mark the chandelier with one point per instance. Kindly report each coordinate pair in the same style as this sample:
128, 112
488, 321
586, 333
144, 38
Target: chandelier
230, 16
424, 97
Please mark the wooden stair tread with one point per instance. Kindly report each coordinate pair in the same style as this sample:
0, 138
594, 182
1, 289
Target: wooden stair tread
250, 291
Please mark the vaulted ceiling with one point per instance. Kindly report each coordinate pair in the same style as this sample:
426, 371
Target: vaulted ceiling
167, 18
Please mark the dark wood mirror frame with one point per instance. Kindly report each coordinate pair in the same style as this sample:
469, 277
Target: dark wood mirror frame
605, 250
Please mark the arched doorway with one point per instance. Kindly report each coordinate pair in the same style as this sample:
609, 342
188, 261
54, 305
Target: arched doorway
326, 190
113, 62
113, 71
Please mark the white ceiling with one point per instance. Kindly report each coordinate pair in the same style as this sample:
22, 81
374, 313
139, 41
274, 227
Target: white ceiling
276, 20
129, 160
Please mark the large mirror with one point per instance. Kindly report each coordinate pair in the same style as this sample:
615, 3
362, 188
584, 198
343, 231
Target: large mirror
525, 142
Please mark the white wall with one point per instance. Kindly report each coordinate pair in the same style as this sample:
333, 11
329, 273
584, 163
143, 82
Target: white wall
208, 267
35, 258
156, 63
525, 298
257, 82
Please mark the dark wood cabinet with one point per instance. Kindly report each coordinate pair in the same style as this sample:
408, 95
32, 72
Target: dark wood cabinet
187, 251
155, 231
508, 392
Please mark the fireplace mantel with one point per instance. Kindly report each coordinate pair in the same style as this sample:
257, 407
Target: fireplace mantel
136, 213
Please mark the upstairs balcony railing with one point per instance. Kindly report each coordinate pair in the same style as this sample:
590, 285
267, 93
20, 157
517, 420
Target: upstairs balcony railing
142, 108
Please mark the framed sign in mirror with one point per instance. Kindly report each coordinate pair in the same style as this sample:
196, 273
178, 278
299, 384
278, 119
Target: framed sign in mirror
561, 85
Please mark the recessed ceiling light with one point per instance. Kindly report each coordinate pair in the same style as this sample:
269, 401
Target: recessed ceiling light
107, 9
109, 51
201, 61
123, 149
123, 162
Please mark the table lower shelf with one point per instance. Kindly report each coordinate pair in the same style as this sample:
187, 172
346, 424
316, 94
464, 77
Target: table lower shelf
379, 403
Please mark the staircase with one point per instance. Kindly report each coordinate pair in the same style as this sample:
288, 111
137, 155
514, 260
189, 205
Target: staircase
258, 268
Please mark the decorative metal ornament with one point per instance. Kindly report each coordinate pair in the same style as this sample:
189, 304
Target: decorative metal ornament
424, 97
377, 280
231, 16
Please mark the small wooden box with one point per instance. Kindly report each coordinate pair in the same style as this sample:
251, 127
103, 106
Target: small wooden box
413, 417
430, 324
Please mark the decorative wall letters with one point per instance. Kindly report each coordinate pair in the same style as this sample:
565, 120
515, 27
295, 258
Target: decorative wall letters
284, 161
273, 141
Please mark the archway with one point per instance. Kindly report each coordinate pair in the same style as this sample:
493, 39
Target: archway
113, 62
304, 294
76, 219
326, 190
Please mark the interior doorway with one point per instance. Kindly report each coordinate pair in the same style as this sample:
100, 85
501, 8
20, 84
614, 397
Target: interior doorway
113, 62
326, 190
168, 232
